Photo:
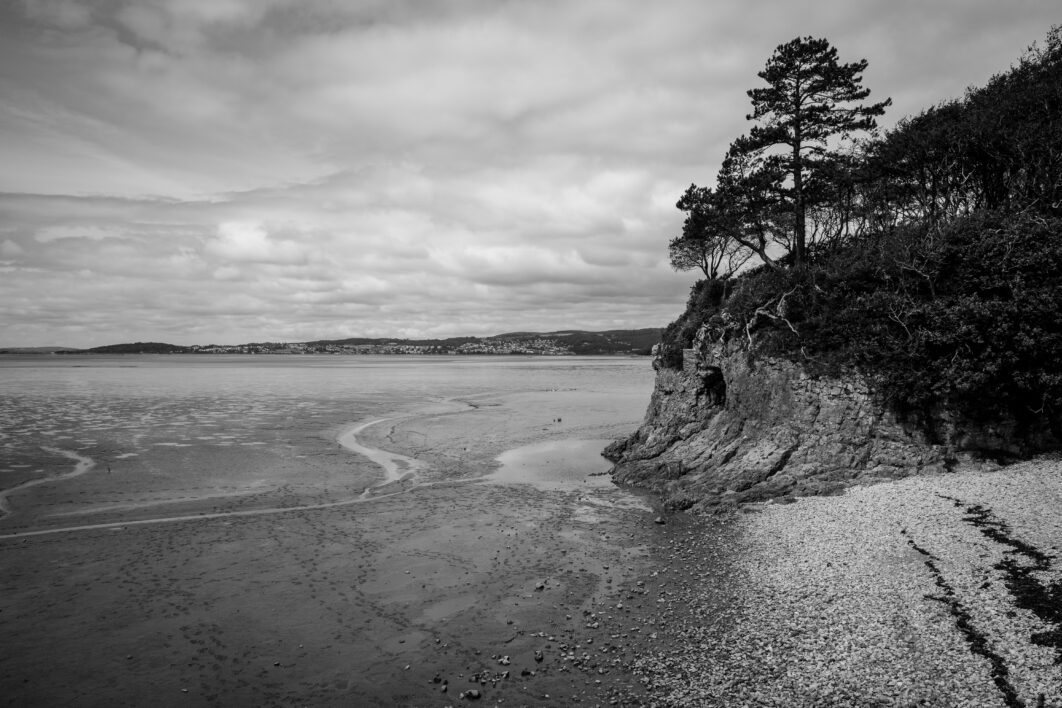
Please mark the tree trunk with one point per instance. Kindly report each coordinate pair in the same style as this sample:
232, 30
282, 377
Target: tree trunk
799, 223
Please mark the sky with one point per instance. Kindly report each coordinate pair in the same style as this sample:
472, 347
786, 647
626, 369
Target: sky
226, 171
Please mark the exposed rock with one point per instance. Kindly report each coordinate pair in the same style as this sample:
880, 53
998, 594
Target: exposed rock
731, 428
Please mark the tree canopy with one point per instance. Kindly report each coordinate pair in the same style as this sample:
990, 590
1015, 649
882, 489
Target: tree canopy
934, 270
810, 98
705, 242
786, 167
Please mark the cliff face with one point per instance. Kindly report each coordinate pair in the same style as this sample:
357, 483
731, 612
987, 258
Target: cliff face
728, 428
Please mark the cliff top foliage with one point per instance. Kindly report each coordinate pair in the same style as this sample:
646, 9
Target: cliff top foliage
929, 257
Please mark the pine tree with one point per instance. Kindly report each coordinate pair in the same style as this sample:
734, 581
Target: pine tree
805, 104
708, 239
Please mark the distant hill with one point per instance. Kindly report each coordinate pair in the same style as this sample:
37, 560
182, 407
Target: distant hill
625, 341
618, 341
566, 342
36, 350
364, 341
139, 348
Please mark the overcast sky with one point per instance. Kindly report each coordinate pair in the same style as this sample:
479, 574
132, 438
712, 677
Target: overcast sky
197, 171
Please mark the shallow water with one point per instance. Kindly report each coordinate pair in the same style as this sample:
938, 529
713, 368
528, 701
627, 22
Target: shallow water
308, 530
251, 431
564, 463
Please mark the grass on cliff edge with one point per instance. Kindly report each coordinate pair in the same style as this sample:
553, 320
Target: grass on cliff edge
964, 318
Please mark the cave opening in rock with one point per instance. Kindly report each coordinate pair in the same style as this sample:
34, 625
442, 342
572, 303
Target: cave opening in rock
715, 386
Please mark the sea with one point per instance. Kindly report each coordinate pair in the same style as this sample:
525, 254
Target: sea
251, 430
309, 530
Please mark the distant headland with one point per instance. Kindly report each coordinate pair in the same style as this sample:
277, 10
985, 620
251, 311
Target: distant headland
637, 342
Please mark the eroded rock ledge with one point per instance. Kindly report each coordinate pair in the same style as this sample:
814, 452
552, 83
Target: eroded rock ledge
730, 428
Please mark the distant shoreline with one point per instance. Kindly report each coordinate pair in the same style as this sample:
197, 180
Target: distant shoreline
637, 342
86, 352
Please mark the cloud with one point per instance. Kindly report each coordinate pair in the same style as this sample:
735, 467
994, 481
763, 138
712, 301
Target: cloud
72, 231
10, 249
64, 14
227, 170
250, 243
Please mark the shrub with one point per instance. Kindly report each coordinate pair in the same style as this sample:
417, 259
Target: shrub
965, 318
706, 296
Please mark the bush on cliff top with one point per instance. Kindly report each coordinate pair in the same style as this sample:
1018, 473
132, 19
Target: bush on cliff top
936, 267
965, 318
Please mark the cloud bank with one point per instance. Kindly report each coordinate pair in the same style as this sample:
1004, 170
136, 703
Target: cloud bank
235, 170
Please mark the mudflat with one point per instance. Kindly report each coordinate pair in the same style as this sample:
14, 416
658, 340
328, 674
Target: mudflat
488, 562
456, 574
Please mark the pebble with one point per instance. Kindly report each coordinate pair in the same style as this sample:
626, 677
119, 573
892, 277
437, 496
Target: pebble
824, 602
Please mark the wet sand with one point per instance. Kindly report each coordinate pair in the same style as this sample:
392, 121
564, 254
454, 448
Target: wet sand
434, 575
84, 464
478, 555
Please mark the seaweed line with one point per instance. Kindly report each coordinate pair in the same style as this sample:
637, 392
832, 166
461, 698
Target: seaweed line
1029, 593
977, 641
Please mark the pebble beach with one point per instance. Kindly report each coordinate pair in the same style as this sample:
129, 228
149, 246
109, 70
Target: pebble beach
930, 591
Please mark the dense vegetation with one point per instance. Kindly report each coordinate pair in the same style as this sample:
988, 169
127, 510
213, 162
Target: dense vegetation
933, 256
136, 348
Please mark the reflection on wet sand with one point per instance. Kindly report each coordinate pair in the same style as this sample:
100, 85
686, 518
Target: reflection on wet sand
303, 592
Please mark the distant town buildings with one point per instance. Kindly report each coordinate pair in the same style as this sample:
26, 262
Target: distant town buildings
495, 346
564, 343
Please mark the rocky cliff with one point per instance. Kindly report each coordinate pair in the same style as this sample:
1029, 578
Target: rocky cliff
729, 428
